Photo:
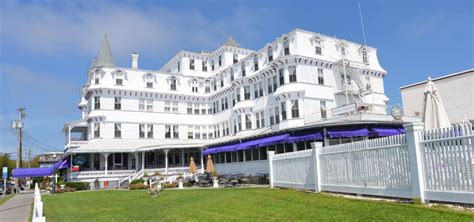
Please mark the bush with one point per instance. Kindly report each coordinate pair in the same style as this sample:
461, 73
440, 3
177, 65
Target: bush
156, 173
138, 186
137, 181
170, 185
77, 185
187, 184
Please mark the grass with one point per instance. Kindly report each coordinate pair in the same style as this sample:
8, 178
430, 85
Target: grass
233, 205
4, 200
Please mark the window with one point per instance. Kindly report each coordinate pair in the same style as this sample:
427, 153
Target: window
118, 130
248, 121
190, 108
96, 77
167, 106
275, 83
295, 113
96, 130
237, 91
173, 83
286, 46
368, 84
149, 105
220, 60
194, 86
318, 47
222, 81
260, 88
283, 111
272, 116
97, 102
149, 82
207, 86
292, 72
175, 131
204, 66
175, 106
141, 104
255, 89
255, 62
270, 54
231, 74
235, 58
149, 131
190, 132
141, 130
239, 123
117, 103
348, 79
197, 132
167, 131
226, 102
277, 115
246, 92
119, 80
322, 107
257, 120
212, 65
281, 76
320, 76
191, 64
365, 58
270, 85
343, 50
260, 119
179, 66
196, 108
242, 67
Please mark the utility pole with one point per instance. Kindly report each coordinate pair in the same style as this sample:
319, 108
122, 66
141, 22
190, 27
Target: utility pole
29, 158
18, 124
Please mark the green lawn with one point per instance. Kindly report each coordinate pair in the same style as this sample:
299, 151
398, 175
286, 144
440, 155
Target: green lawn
233, 205
4, 200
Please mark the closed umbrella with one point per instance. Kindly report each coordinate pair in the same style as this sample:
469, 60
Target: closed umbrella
210, 165
434, 115
192, 166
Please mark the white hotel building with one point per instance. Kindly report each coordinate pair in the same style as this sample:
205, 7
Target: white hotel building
292, 91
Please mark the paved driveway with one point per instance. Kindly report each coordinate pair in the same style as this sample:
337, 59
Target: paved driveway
18, 208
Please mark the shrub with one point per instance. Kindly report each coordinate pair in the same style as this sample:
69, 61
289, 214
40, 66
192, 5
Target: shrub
138, 186
137, 181
170, 185
77, 185
156, 173
187, 184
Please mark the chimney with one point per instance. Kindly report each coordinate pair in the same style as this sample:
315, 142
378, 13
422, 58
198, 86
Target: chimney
134, 60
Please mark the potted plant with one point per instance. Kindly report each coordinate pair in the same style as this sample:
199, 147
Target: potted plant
180, 181
215, 182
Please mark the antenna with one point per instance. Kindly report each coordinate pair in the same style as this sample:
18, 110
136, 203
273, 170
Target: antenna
362, 24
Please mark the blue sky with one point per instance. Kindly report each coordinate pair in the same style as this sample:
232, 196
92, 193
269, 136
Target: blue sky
47, 46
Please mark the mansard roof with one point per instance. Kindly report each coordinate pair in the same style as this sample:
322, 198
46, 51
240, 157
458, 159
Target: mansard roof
105, 58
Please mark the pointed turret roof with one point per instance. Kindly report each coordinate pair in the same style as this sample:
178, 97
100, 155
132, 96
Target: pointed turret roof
105, 58
231, 42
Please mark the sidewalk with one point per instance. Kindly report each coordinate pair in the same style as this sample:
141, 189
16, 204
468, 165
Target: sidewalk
18, 208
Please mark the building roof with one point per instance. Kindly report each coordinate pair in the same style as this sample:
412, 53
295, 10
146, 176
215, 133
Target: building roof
439, 78
231, 42
105, 58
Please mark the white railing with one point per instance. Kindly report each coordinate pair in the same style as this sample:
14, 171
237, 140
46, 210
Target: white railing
37, 206
430, 165
100, 174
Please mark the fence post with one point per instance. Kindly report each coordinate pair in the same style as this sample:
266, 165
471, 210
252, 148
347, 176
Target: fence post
416, 159
270, 155
317, 165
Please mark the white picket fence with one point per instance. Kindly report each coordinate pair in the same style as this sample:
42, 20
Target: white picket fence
37, 206
430, 165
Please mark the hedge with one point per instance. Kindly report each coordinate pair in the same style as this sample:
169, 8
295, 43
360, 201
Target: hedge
138, 186
77, 185
137, 181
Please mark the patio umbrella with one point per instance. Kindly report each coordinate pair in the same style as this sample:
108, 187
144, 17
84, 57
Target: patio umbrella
434, 115
210, 165
192, 166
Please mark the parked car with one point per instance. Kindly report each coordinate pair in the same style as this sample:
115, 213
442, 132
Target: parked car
10, 188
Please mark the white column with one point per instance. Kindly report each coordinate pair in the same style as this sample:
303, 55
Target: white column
166, 160
317, 167
136, 161
106, 155
143, 161
416, 159
69, 136
325, 136
182, 157
91, 160
270, 155
202, 161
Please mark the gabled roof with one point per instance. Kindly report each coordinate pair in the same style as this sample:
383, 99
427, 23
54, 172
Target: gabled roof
231, 42
105, 58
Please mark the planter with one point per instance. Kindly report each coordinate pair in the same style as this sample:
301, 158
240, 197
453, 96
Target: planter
180, 184
215, 182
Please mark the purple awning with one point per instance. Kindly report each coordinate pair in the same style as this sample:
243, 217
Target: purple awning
33, 172
347, 132
219, 149
267, 141
385, 131
62, 164
299, 138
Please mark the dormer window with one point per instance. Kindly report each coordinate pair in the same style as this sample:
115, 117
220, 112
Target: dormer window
255, 62
173, 83
204, 66
317, 47
235, 58
149, 81
96, 77
286, 46
191, 64
270, 54
194, 87
119, 78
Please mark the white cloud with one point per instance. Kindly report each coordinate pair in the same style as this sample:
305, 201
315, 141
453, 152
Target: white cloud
78, 28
